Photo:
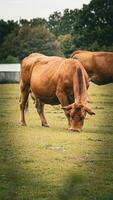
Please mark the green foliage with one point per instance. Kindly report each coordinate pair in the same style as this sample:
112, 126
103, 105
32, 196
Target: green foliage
54, 23
6, 28
12, 59
38, 22
62, 24
95, 25
36, 39
66, 42
68, 20
28, 40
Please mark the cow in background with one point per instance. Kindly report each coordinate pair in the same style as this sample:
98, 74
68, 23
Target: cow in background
99, 65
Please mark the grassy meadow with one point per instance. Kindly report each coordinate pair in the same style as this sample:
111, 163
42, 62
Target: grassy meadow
38, 163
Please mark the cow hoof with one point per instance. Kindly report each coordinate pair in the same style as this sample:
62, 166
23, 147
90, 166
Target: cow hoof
74, 130
22, 124
45, 125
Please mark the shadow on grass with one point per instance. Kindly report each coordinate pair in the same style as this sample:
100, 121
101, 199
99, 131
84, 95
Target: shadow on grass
73, 187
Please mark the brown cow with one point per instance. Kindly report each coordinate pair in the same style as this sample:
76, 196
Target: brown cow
55, 80
99, 65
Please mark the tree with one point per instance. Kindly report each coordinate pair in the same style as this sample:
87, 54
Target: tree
38, 22
6, 28
11, 59
23, 22
61, 24
67, 21
29, 40
95, 25
66, 42
54, 23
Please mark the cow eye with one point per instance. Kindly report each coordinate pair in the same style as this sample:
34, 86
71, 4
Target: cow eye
72, 116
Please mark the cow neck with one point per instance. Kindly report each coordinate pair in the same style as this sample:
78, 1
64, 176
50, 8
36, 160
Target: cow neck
80, 90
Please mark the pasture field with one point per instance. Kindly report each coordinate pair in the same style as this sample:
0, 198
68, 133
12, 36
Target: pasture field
39, 163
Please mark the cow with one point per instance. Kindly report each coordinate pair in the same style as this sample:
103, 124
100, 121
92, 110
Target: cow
99, 65
55, 80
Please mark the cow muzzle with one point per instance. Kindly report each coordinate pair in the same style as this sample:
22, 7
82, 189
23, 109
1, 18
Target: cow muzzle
75, 129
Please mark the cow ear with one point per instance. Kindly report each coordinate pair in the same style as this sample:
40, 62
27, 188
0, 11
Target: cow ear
89, 111
69, 107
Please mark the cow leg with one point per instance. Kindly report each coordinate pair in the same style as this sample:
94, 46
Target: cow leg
64, 102
40, 110
97, 79
23, 102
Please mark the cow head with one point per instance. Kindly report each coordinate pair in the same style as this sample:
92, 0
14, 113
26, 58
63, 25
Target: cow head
77, 113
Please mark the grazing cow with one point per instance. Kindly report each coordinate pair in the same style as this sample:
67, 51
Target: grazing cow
99, 65
55, 80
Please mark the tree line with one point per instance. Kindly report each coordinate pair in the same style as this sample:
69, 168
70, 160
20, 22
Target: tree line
89, 28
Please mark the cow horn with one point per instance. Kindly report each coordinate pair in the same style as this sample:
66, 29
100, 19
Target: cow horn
89, 111
69, 107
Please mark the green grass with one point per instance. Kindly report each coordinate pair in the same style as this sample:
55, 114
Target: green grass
39, 163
